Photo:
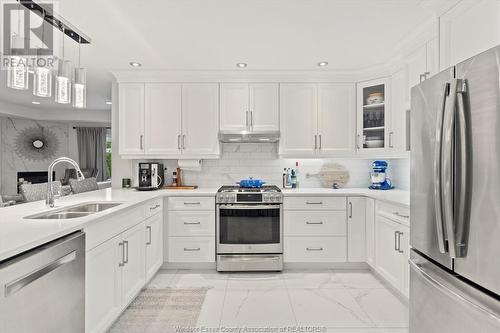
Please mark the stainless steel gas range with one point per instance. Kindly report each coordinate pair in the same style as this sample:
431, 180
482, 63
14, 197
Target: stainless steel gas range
249, 229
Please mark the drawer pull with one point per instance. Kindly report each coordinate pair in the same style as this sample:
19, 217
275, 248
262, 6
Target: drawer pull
314, 202
152, 208
187, 249
148, 228
192, 203
401, 215
188, 223
314, 249
319, 222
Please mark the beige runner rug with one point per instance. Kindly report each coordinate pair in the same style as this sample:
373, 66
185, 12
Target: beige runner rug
161, 310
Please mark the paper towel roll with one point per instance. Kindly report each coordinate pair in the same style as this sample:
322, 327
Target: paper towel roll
190, 165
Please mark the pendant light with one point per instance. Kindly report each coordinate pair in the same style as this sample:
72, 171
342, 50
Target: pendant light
80, 84
17, 71
42, 77
63, 82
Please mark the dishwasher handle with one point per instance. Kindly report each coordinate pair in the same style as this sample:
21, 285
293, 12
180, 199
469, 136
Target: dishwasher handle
18, 284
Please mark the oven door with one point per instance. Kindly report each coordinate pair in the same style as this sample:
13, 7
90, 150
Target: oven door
249, 229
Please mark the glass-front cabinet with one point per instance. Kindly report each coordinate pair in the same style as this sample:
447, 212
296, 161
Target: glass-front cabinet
373, 115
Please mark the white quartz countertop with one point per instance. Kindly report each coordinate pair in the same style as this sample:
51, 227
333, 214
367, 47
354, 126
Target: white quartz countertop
18, 234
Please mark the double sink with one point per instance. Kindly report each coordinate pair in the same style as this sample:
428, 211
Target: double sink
81, 210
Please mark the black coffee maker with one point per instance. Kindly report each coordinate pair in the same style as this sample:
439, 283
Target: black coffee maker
151, 176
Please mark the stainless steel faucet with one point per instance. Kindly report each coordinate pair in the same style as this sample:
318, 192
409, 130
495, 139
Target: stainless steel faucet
50, 200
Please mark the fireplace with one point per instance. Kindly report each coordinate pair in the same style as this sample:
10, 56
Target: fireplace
33, 177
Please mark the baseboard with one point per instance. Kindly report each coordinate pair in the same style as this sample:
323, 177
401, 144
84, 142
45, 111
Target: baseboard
189, 265
325, 265
389, 286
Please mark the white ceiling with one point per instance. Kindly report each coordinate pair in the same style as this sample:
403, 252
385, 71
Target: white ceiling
216, 34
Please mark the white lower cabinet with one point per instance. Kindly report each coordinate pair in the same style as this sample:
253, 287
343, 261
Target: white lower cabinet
119, 261
356, 229
315, 249
103, 285
191, 249
370, 231
191, 230
392, 250
154, 245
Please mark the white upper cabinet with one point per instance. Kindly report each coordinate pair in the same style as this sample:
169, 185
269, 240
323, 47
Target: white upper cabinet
336, 119
163, 119
417, 66
234, 107
298, 119
399, 132
200, 119
249, 107
168, 120
373, 116
317, 119
264, 107
131, 118
469, 28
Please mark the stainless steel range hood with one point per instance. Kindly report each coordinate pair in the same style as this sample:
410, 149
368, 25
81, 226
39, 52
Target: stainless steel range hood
249, 137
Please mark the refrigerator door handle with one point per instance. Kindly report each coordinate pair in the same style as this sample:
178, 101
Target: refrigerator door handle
463, 170
447, 166
437, 174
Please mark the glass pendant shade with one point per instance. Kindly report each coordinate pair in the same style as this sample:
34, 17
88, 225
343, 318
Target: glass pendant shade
17, 69
80, 88
63, 83
42, 82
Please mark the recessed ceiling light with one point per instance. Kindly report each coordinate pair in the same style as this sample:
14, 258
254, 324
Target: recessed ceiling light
323, 63
35, 102
109, 103
135, 64
241, 65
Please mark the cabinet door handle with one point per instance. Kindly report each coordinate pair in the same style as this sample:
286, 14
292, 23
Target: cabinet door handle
350, 210
148, 228
314, 248
192, 203
125, 256
422, 77
426, 75
320, 142
399, 242
315, 142
183, 141
187, 249
319, 222
357, 141
401, 215
153, 208
179, 142
251, 119
396, 240
192, 223
314, 202
391, 145
140, 141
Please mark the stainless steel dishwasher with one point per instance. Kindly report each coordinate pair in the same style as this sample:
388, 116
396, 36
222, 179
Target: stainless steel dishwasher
43, 290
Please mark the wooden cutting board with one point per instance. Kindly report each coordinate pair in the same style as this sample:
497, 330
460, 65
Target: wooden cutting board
331, 173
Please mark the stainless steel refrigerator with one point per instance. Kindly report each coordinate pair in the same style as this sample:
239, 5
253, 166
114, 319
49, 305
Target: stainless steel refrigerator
455, 199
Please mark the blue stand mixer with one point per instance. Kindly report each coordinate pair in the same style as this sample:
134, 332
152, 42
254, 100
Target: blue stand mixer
379, 176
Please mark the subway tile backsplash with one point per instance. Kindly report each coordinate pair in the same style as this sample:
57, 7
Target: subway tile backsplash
239, 161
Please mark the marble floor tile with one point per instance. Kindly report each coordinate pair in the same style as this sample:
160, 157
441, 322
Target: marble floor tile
327, 307
199, 278
257, 308
268, 281
312, 280
361, 279
162, 279
384, 308
211, 310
